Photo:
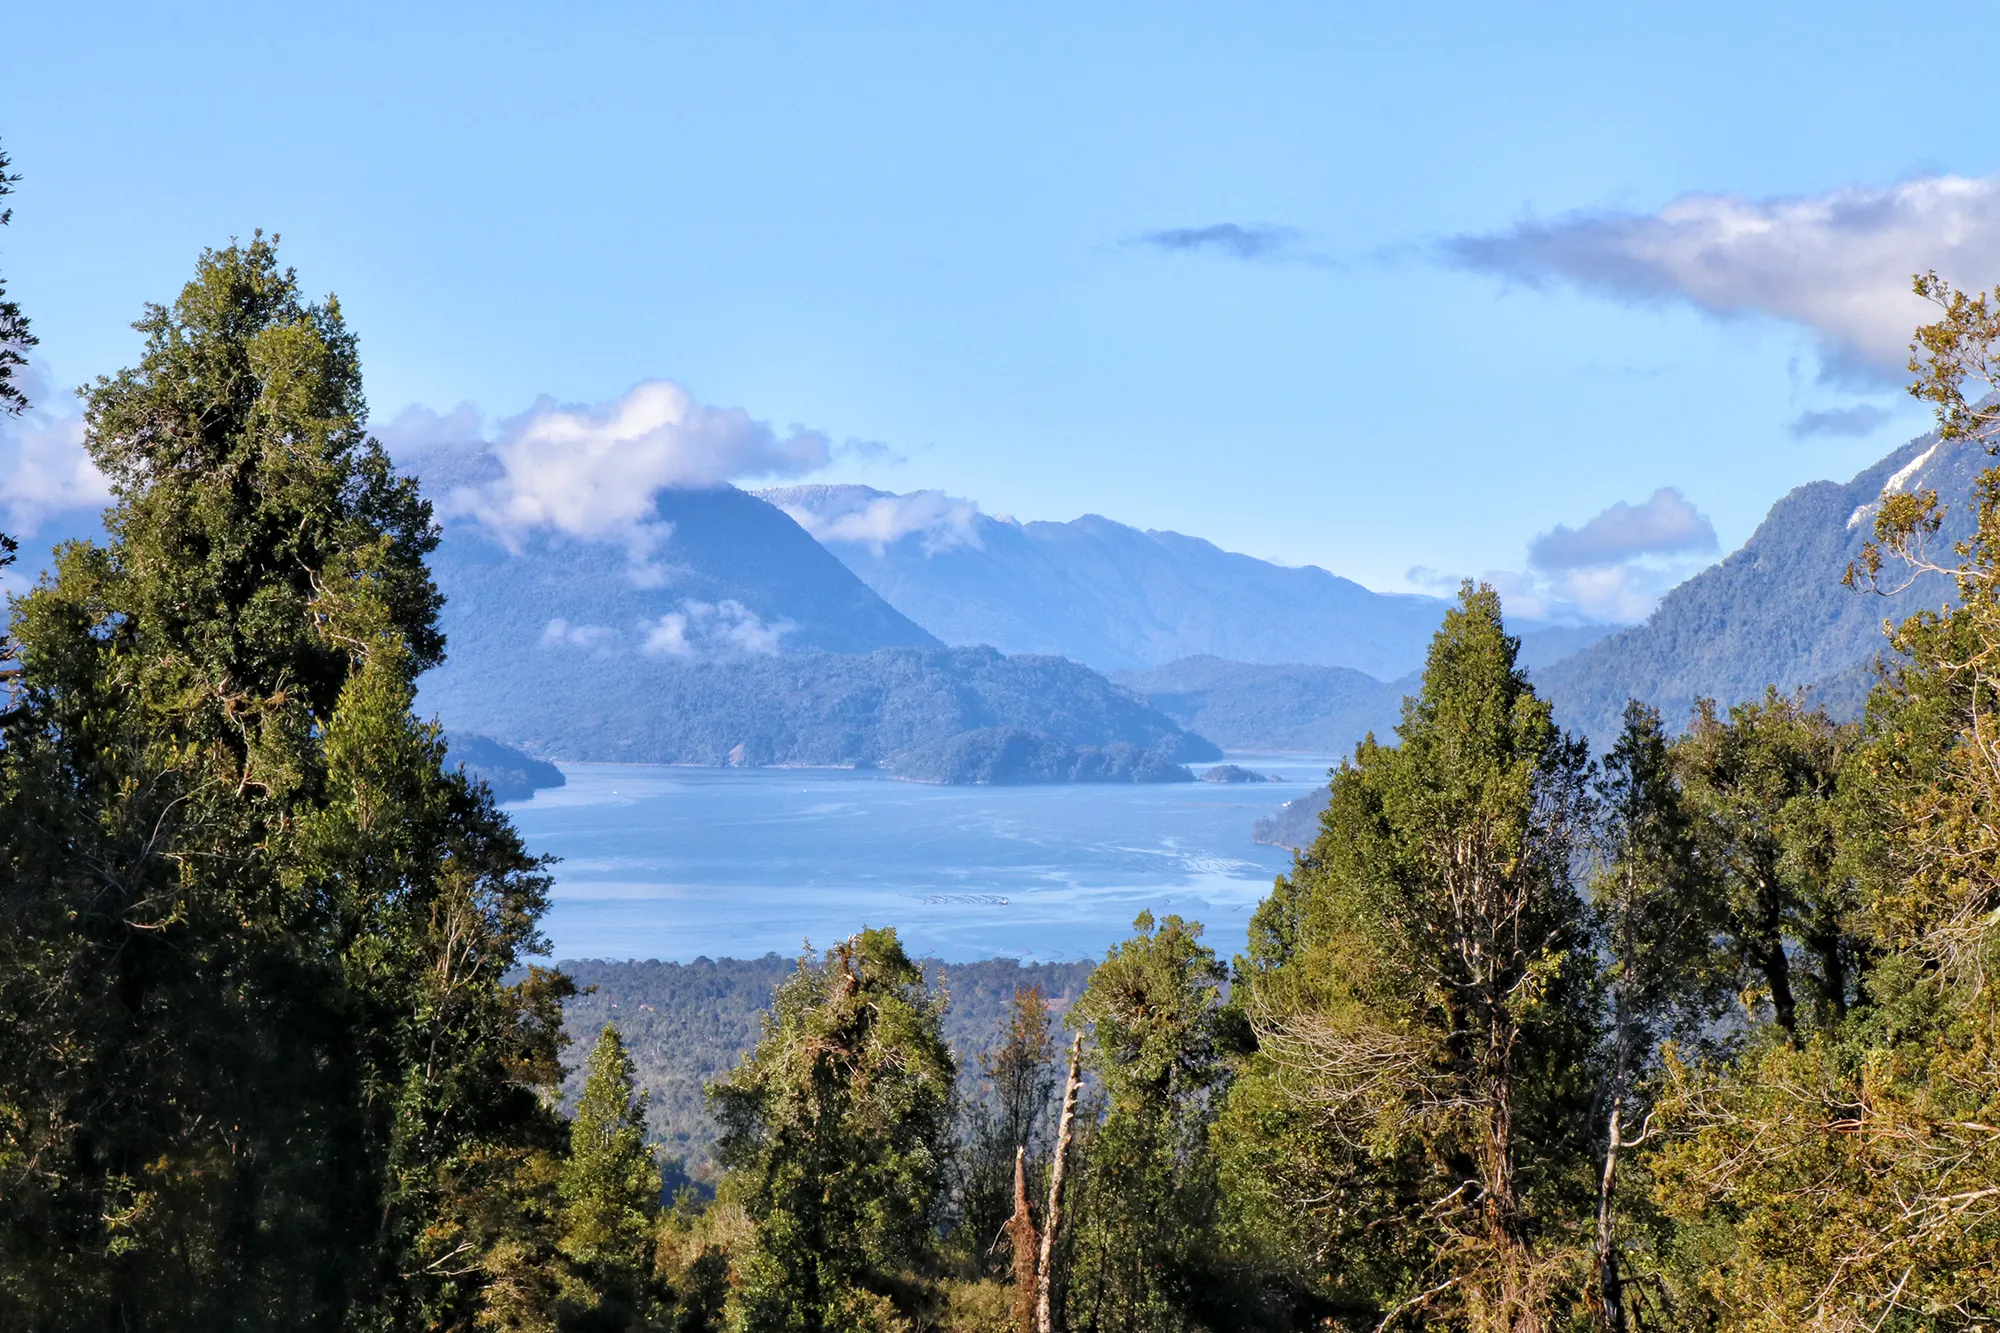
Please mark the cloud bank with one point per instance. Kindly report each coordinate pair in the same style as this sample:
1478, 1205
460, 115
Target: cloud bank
1664, 525
1837, 263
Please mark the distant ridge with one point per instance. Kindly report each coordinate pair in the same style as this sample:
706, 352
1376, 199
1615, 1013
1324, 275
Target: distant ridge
1103, 593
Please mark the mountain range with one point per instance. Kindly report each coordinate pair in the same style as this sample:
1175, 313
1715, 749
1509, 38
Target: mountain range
846, 625
729, 636
1102, 593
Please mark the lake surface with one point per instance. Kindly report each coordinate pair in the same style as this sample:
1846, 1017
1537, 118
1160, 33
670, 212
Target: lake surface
675, 863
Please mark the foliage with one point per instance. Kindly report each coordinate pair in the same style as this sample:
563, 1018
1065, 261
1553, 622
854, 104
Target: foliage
1423, 993
1145, 1199
610, 1193
262, 1063
839, 1128
1020, 1078
686, 1025
1842, 1173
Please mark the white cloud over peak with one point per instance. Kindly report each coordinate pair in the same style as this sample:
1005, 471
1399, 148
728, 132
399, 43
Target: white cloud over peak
1837, 263
592, 471
876, 519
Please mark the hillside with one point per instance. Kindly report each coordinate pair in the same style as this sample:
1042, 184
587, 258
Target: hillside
1103, 593
1244, 706
1773, 612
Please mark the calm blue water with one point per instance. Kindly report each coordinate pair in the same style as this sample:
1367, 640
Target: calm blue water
673, 863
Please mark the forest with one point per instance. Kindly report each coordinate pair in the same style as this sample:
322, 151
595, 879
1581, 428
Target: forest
1694, 1033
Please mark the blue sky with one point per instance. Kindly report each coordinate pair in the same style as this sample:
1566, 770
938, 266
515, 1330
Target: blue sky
1388, 289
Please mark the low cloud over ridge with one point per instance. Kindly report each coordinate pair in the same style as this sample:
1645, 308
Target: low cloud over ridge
592, 471
1837, 263
1614, 567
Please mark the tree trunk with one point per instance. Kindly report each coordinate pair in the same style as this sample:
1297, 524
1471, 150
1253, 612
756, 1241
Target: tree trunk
1053, 1219
1611, 1305
1519, 1300
1021, 1231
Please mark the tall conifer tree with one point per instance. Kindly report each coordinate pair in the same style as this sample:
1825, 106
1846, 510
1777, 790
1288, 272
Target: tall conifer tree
265, 1063
611, 1201
1423, 992
1142, 1252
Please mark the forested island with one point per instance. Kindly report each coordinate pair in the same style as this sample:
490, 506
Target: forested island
1695, 1031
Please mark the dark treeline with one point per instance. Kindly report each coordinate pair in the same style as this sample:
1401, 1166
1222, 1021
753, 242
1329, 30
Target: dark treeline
1695, 1034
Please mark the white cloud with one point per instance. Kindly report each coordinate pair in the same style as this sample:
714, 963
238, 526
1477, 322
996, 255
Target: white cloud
877, 519
713, 629
43, 467
559, 633
592, 471
1838, 263
1666, 524
1615, 567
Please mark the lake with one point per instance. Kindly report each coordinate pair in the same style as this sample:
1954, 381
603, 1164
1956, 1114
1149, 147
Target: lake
675, 863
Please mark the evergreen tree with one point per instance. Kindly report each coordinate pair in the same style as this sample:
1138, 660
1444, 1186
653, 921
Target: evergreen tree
1145, 1201
1423, 991
611, 1201
837, 1133
1846, 1173
262, 1061
1761, 784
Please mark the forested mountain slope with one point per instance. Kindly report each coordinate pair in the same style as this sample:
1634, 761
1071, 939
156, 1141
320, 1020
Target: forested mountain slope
1773, 612
938, 714
1101, 592
1290, 707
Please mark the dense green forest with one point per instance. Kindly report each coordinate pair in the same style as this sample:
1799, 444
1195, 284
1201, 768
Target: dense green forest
1694, 1033
687, 1024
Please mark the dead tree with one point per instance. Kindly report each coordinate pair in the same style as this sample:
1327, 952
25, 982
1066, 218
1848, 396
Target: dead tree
1043, 1324
1020, 1229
